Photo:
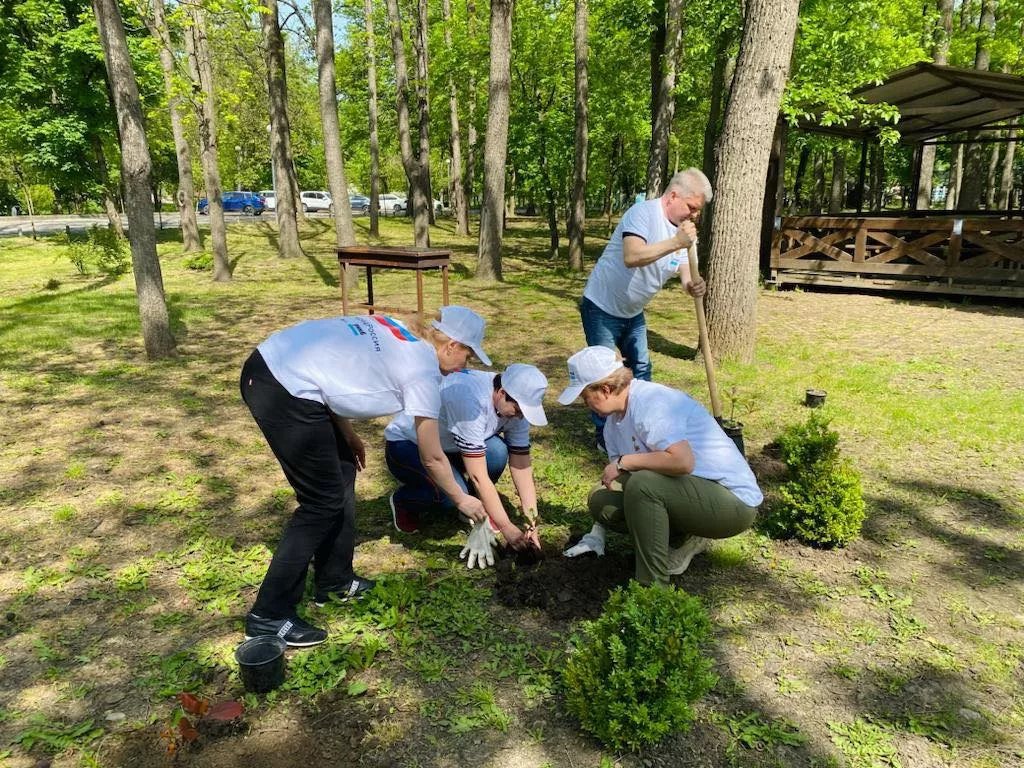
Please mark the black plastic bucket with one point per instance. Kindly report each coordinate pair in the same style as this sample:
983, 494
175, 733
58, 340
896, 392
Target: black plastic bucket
734, 430
261, 663
814, 398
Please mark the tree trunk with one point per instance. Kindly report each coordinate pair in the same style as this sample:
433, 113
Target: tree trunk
288, 245
956, 174
414, 166
578, 206
471, 137
103, 173
495, 142
185, 197
743, 152
1006, 180
344, 230
459, 206
136, 169
371, 66
818, 190
837, 198
661, 122
972, 189
714, 124
940, 53
991, 183
798, 182
423, 102
206, 115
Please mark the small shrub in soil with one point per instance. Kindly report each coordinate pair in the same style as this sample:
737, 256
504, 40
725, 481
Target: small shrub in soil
200, 262
821, 503
638, 668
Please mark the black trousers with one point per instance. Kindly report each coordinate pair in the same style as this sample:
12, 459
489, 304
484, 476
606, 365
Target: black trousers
320, 467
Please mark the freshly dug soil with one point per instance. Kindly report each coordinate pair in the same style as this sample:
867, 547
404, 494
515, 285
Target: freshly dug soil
566, 588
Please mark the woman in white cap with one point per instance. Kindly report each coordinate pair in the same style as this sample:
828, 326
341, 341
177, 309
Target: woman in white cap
303, 385
485, 425
672, 471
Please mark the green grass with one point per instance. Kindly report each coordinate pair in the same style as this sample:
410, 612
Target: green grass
140, 501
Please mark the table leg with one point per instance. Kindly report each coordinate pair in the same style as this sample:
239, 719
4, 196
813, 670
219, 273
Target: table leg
369, 288
444, 286
344, 290
419, 292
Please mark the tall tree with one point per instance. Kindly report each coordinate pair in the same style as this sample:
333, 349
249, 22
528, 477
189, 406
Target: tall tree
414, 164
1006, 178
185, 197
288, 244
371, 76
345, 233
205, 98
972, 187
495, 141
940, 55
471, 136
136, 168
423, 100
457, 185
837, 197
663, 108
762, 67
107, 190
578, 206
956, 176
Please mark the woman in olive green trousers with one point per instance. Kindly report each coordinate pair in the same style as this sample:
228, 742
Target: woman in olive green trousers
673, 474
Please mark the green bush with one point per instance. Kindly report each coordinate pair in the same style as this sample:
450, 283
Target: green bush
101, 249
637, 669
821, 503
201, 262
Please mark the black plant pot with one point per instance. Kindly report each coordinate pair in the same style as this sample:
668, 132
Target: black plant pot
814, 398
734, 430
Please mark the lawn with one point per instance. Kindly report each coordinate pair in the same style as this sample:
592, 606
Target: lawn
140, 503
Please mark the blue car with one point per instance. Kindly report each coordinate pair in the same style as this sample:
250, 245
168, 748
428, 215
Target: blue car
248, 203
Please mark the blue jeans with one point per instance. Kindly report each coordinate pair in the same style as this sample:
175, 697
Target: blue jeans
628, 334
418, 491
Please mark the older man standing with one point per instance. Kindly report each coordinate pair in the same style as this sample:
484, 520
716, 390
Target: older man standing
647, 248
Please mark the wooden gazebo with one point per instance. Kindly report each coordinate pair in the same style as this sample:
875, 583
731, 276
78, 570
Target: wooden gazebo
977, 252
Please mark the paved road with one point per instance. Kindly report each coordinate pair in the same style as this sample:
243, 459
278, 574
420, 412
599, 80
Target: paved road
12, 226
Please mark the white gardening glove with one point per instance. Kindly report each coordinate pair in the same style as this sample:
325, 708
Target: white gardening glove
591, 542
479, 547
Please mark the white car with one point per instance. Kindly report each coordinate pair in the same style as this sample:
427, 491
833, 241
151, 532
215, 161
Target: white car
316, 201
390, 203
270, 199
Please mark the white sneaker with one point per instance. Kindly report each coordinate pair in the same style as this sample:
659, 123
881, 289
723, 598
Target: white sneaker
679, 559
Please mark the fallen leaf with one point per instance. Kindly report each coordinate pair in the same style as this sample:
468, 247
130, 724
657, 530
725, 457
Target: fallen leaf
193, 705
225, 710
188, 733
356, 687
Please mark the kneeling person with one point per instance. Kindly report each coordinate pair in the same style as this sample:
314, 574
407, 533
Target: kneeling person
485, 425
672, 473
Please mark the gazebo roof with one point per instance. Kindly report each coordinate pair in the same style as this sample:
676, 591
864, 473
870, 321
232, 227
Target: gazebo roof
936, 100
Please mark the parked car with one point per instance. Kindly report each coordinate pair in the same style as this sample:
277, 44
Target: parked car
390, 203
316, 201
270, 198
248, 203
359, 203
438, 207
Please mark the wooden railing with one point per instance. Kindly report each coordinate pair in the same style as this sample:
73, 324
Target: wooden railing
977, 256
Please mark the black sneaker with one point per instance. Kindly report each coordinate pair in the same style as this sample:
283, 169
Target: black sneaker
295, 631
354, 590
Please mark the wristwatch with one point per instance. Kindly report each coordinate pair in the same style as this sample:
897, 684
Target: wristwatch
618, 465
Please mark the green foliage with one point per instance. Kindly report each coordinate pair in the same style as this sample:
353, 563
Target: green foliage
757, 732
102, 249
637, 669
821, 503
864, 744
200, 262
56, 737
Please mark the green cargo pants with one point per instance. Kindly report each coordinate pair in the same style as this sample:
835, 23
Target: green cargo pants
657, 509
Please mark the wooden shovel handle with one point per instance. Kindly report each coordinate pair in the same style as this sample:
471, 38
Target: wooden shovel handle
702, 329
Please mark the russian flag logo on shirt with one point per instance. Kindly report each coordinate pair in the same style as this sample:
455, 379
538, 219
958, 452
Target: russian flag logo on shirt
398, 330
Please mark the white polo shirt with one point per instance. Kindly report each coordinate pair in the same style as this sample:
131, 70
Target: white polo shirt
658, 416
468, 418
359, 367
624, 291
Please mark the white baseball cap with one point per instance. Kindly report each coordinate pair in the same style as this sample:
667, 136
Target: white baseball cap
465, 326
526, 385
586, 367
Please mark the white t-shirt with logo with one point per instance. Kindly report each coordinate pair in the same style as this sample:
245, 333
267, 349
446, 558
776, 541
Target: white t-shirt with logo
658, 416
624, 291
468, 418
359, 367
